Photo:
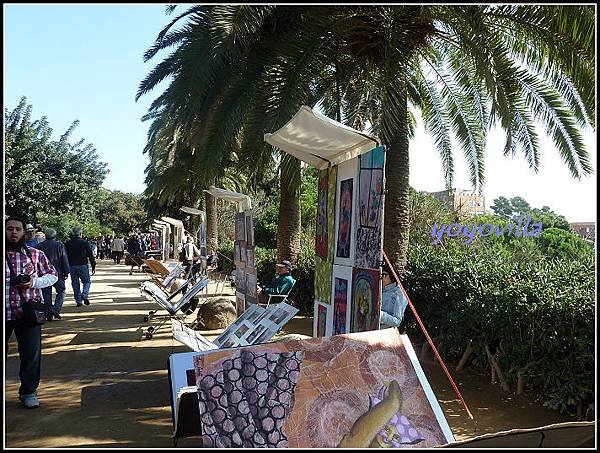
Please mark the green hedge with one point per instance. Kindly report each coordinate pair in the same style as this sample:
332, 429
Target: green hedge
538, 313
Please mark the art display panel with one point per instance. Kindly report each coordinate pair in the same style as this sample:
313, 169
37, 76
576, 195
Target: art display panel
366, 304
323, 267
323, 319
345, 211
249, 228
240, 226
369, 237
342, 299
321, 238
354, 390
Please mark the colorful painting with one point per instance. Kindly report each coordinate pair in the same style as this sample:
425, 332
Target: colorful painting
345, 219
368, 244
321, 321
340, 305
323, 267
356, 390
322, 223
240, 226
366, 304
249, 228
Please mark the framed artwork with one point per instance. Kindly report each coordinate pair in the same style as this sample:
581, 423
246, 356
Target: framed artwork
240, 226
369, 237
323, 320
321, 244
345, 212
250, 261
251, 283
345, 219
249, 228
354, 390
240, 279
366, 303
341, 295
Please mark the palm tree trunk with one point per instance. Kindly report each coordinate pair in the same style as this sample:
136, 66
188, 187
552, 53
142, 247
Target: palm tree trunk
211, 221
288, 219
397, 222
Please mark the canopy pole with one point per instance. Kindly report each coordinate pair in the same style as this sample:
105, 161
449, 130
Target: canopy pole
433, 348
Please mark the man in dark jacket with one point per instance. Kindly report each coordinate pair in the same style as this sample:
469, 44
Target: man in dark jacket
78, 252
56, 253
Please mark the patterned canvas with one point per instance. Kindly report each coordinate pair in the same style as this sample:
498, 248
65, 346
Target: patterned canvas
370, 210
323, 268
345, 219
340, 305
321, 243
366, 305
354, 390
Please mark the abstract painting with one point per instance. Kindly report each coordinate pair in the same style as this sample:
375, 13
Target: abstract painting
345, 219
366, 305
340, 305
321, 244
368, 248
354, 390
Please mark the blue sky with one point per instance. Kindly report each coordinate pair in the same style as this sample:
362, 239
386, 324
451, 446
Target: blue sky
86, 61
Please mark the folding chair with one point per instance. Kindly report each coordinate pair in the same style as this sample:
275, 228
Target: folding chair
136, 261
164, 300
167, 284
283, 297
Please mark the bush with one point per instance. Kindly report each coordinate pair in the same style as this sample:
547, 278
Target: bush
535, 314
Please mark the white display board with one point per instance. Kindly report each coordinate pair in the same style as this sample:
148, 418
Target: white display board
341, 294
345, 222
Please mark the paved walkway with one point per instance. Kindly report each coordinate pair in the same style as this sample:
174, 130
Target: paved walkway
104, 385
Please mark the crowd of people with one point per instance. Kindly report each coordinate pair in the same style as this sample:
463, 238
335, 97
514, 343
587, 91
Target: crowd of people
36, 262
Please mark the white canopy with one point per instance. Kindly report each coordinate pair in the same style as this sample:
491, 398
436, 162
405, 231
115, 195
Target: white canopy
195, 211
243, 201
320, 141
174, 222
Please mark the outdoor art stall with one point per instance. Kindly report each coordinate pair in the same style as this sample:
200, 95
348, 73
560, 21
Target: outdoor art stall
353, 385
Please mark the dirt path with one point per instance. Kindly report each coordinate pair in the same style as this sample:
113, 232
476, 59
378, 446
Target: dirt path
104, 386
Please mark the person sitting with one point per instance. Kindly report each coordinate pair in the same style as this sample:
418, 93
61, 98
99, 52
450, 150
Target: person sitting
393, 301
280, 285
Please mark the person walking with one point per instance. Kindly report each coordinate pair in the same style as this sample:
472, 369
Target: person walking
117, 248
30, 239
26, 272
56, 253
79, 252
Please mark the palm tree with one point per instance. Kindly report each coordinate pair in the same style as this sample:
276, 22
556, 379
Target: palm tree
241, 71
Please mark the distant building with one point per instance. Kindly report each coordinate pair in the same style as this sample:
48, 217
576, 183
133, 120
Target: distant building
461, 201
586, 230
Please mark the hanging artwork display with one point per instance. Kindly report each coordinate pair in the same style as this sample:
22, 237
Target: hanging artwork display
249, 228
321, 244
356, 390
323, 316
240, 226
370, 209
345, 219
345, 212
342, 297
323, 267
250, 262
251, 283
240, 303
202, 238
366, 304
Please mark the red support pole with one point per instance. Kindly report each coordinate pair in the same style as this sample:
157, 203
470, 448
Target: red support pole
433, 348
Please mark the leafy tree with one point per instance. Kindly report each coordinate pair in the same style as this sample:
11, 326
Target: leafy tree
240, 71
517, 206
45, 176
123, 212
